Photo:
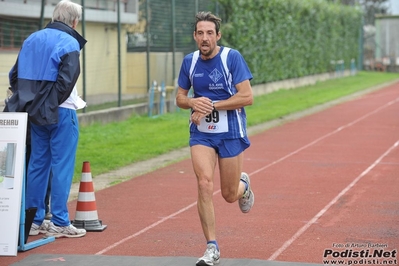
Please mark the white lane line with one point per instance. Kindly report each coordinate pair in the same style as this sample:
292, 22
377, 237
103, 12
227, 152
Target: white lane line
146, 229
255, 172
326, 136
324, 210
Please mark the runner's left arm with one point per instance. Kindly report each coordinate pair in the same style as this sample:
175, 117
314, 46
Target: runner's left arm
243, 97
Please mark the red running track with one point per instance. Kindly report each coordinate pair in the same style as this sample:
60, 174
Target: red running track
327, 181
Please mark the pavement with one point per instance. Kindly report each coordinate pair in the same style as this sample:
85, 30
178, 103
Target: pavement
131, 171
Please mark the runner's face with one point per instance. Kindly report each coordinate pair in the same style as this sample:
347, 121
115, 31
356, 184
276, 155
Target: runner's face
206, 38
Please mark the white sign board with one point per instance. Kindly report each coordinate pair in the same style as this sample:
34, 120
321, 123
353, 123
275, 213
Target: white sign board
12, 164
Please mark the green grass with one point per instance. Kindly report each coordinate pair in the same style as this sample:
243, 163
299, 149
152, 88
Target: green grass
111, 146
114, 145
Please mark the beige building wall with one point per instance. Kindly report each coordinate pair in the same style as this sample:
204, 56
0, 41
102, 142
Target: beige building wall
161, 70
136, 74
7, 60
102, 59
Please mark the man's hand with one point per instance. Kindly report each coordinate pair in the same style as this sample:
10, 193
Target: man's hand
196, 117
202, 105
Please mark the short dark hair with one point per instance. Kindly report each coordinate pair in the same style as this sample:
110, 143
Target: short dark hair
207, 16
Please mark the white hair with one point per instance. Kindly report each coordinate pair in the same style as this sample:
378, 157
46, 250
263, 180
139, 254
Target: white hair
67, 12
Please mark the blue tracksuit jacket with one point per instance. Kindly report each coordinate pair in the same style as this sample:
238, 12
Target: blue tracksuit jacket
45, 73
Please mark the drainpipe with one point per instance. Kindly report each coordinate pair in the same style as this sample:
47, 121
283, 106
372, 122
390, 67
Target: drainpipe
119, 55
84, 54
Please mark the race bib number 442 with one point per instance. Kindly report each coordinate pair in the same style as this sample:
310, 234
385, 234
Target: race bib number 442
215, 122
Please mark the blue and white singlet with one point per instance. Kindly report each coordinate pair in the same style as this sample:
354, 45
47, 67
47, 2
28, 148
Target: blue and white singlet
215, 78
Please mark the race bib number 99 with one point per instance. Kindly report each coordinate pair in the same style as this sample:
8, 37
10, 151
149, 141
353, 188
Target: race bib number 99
215, 122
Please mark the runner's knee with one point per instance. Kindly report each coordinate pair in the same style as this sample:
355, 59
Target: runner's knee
205, 186
229, 196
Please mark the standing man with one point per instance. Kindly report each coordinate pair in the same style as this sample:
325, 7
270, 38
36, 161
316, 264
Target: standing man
43, 85
221, 82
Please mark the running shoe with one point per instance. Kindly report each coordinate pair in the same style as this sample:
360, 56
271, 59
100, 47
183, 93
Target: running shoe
69, 231
248, 198
38, 229
211, 256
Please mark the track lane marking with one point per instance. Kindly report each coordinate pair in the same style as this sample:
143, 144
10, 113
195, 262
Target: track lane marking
146, 229
332, 202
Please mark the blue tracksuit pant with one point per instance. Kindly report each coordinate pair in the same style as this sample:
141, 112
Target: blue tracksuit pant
53, 149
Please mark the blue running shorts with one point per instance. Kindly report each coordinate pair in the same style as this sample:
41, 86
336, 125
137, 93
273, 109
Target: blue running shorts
225, 148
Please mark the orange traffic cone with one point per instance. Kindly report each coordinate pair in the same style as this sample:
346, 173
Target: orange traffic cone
86, 210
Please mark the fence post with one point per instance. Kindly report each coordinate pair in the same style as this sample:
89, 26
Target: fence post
151, 98
162, 98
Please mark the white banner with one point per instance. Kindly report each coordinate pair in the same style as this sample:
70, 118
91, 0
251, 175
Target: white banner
12, 163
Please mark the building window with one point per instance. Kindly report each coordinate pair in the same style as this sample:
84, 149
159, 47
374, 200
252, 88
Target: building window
13, 31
